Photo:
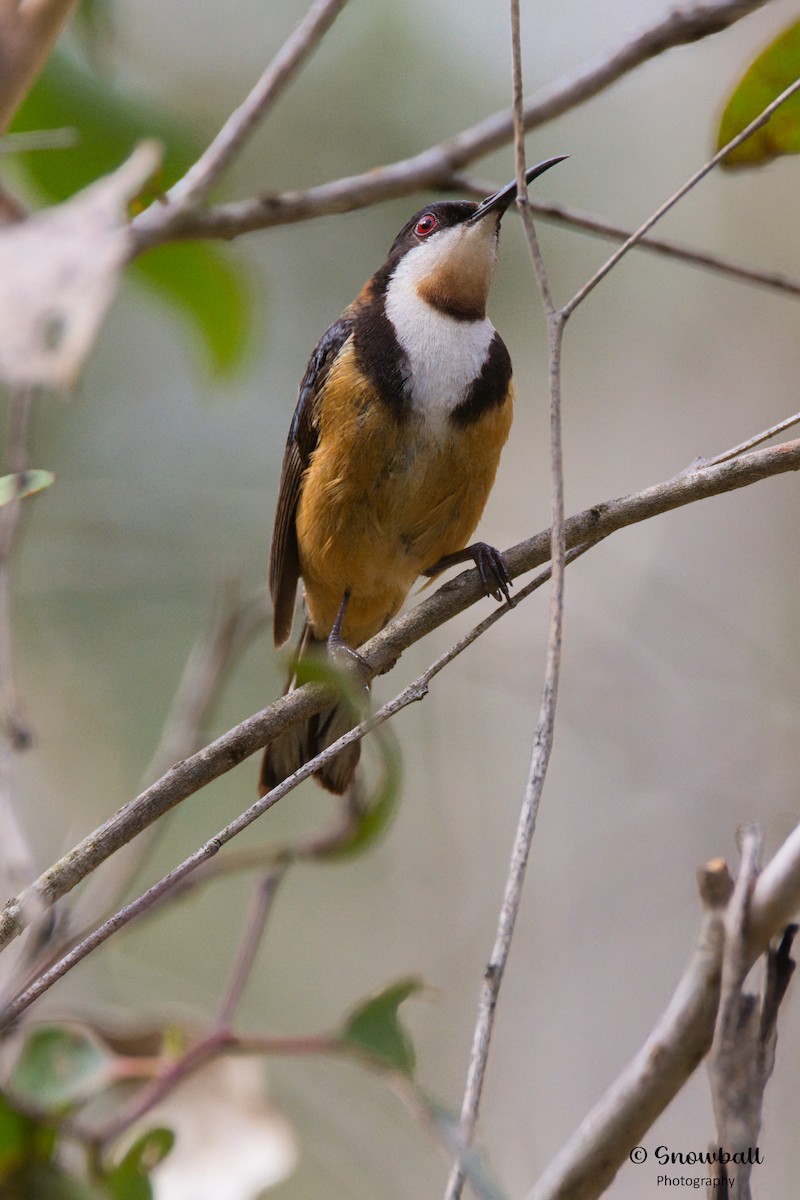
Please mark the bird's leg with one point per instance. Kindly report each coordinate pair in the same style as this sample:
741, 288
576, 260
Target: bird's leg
342, 654
490, 563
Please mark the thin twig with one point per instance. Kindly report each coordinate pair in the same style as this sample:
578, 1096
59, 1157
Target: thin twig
18, 862
219, 1042
17, 859
260, 909
664, 208
750, 444
201, 177
431, 168
222, 755
143, 1101
267, 857
563, 215
16, 727
736, 1067
545, 726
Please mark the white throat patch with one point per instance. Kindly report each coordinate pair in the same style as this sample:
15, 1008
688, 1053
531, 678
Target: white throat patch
445, 354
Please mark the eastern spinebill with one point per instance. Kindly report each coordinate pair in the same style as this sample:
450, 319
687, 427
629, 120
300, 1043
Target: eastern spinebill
392, 451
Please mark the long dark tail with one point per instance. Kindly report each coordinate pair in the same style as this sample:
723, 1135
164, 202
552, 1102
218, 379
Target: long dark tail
290, 750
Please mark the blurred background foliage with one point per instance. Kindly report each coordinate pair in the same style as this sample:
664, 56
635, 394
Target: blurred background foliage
679, 713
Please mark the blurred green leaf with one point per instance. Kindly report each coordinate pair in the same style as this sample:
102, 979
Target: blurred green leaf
203, 282
16, 1138
46, 1181
60, 1065
374, 1028
320, 667
24, 483
374, 817
378, 811
767, 76
130, 1180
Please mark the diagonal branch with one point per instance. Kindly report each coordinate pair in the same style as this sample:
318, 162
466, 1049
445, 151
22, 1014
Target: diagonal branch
563, 215
222, 755
434, 167
586, 1165
609, 1135
169, 883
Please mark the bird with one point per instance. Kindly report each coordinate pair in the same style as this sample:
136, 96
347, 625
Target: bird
392, 451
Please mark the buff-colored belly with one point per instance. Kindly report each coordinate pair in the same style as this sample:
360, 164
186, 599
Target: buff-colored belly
383, 500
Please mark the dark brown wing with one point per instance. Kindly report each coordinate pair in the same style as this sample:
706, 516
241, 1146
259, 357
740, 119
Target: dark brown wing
284, 559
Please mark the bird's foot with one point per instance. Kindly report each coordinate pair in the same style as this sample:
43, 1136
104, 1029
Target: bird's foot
342, 655
491, 567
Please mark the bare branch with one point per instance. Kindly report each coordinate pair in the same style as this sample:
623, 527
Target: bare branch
588, 1162
776, 896
201, 177
591, 1158
382, 651
219, 1042
155, 894
751, 443
563, 215
545, 726
434, 167
740, 1061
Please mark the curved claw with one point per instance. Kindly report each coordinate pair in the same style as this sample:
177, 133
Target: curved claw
493, 572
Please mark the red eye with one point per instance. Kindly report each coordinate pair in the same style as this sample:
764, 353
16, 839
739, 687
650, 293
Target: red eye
426, 225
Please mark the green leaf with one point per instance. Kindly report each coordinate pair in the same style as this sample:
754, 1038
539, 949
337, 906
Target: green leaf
46, 1181
319, 667
203, 282
130, 1179
60, 1065
375, 816
24, 483
374, 1028
17, 1134
767, 76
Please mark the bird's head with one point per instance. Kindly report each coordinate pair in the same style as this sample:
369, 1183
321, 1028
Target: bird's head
446, 253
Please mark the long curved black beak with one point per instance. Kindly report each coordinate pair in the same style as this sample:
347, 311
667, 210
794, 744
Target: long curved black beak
500, 201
